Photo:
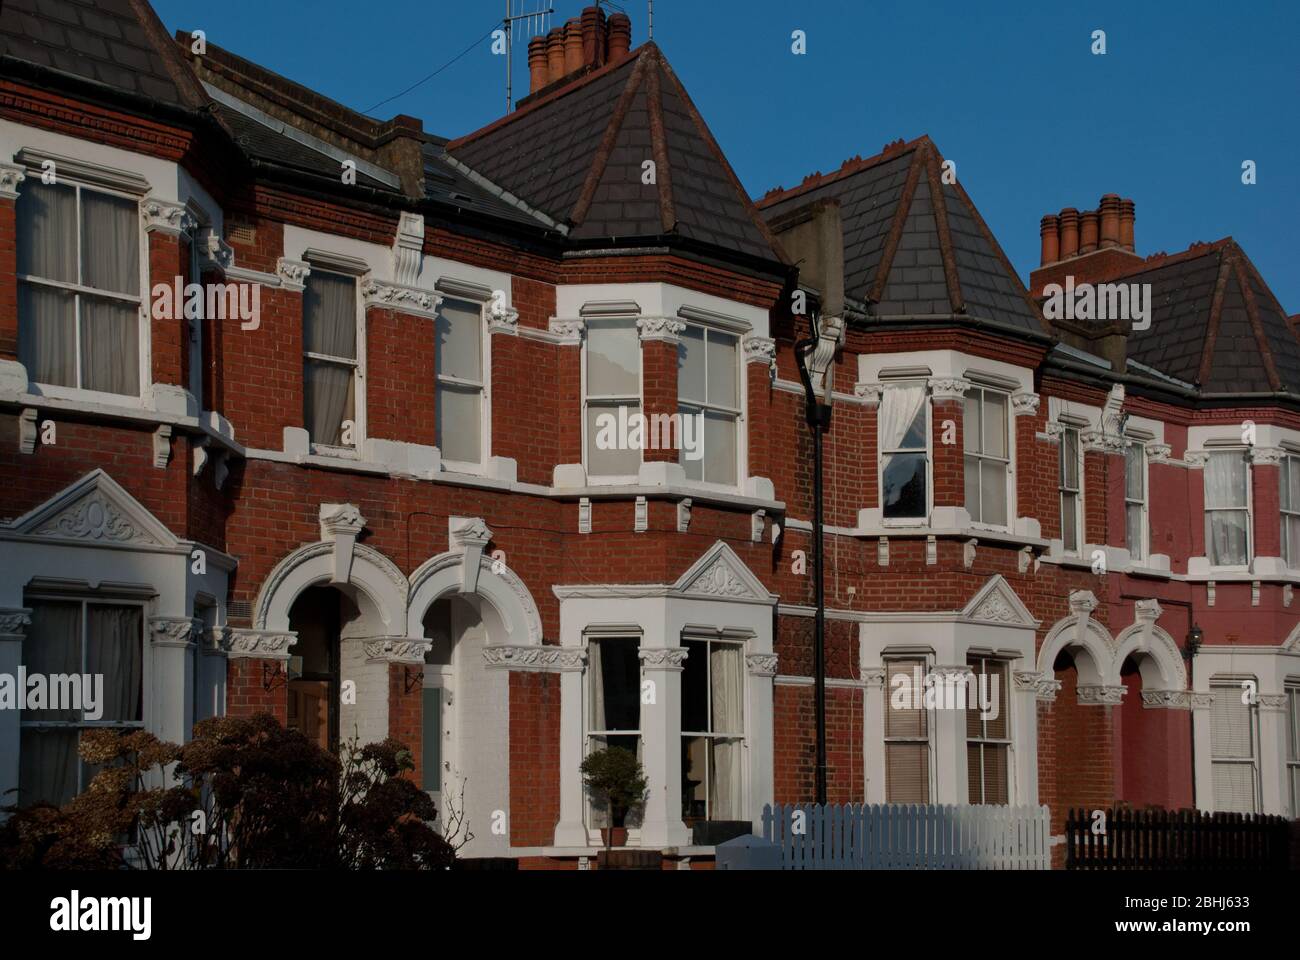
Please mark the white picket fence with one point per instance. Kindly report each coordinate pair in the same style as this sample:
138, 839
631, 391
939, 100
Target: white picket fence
908, 837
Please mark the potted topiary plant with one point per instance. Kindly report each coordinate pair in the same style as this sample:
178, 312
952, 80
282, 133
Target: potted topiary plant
614, 778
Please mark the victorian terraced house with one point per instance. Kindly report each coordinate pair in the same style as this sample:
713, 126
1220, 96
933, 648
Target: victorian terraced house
367, 454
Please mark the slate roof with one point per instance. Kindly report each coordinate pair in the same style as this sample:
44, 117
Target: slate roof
266, 143
577, 155
119, 44
914, 245
1215, 323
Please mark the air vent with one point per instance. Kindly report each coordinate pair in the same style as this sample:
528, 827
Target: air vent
239, 610
243, 233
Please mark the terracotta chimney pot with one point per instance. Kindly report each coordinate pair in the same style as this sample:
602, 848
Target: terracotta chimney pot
572, 46
539, 71
1049, 230
1069, 233
1110, 220
593, 36
620, 36
1126, 218
1088, 231
555, 55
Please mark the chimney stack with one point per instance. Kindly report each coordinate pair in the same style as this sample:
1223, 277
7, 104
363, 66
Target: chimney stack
572, 46
593, 36
1049, 232
539, 72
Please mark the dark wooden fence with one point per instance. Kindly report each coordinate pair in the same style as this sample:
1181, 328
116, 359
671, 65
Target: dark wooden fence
1177, 840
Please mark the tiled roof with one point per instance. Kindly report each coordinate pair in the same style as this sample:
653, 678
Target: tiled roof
117, 43
578, 155
913, 244
262, 142
1215, 323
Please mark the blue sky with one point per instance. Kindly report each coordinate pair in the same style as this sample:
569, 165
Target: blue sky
1008, 90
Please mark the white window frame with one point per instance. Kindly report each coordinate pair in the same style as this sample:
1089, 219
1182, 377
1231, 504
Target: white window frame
484, 388
615, 479
146, 672
141, 301
884, 452
1249, 510
745, 813
358, 366
1010, 459
926, 663
1290, 462
588, 812
1077, 490
1291, 760
1144, 504
1229, 687
983, 738
739, 412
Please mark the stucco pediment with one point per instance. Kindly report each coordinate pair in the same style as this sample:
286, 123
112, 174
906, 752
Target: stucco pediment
95, 509
996, 602
720, 574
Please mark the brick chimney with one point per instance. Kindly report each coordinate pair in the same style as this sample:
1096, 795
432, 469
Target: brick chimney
583, 44
1089, 246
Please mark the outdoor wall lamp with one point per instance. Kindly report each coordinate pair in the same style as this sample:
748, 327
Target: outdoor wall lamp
1194, 637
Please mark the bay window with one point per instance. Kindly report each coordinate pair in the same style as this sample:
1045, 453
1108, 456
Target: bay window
907, 734
988, 456
1232, 750
613, 702
89, 639
79, 305
1227, 509
1069, 486
708, 393
612, 373
904, 430
331, 364
1135, 498
1289, 501
461, 382
988, 738
713, 724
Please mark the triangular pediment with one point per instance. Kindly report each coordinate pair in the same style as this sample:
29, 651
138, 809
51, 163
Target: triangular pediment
720, 574
95, 509
996, 602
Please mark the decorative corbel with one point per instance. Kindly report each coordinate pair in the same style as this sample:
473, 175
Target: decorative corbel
28, 430
469, 535
684, 515
162, 446
341, 523
1082, 603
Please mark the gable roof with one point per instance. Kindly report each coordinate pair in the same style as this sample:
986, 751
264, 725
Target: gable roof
119, 45
94, 510
913, 244
577, 155
1215, 323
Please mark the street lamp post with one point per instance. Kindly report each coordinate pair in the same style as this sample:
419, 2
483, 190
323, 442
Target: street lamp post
814, 356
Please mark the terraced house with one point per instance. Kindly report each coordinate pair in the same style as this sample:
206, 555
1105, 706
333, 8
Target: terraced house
363, 453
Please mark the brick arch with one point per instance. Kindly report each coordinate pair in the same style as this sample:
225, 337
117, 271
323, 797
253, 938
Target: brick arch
1090, 638
379, 588
1157, 657
509, 613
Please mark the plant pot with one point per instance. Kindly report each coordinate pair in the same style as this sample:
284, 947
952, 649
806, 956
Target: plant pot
613, 836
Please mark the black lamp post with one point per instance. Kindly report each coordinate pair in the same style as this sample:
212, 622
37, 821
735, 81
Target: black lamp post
817, 351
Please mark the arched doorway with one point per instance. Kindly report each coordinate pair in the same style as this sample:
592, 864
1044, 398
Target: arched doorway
314, 688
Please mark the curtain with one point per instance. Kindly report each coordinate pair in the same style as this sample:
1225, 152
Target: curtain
47, 231
115, 647
47, 766
47, 328
899, 408
110, 334
110, 243
329, 328
596, 675
727, 694
53, 645
1225, 486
